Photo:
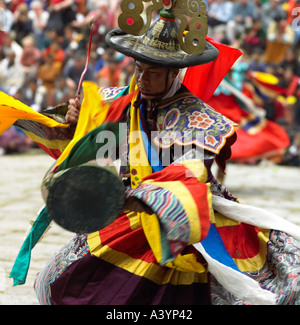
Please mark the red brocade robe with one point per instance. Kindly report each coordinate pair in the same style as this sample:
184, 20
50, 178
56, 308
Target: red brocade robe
160, 251
147, 256
152, 255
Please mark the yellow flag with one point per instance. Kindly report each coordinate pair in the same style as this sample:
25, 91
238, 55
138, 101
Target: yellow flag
12, 110
138, 159
93, 113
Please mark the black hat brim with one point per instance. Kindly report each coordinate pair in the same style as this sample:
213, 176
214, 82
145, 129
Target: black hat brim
131, 46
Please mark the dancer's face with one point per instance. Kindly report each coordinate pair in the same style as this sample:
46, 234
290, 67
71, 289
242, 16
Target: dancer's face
153, 81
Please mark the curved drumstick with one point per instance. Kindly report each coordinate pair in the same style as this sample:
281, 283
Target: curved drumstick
87, 60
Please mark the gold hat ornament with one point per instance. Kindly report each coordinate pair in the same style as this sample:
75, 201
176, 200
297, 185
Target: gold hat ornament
175, 40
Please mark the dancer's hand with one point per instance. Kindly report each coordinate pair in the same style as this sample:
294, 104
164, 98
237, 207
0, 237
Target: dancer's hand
73, 112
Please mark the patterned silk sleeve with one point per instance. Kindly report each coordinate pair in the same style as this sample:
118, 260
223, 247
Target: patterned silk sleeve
182, 205
52, 140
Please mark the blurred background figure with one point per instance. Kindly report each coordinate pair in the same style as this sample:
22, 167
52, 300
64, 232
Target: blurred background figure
73, 70
48, 72
243, 14
14, 141
60, 93
11, 74
270, 10
33, 94
219, 14
22, 24
109, 75
280, 37
39, 19
62, 12
9, 43
30, 57
8, 18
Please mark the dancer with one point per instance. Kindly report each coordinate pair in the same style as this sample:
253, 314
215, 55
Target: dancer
181, 237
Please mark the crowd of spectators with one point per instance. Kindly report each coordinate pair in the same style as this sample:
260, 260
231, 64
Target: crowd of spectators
43, 49
268, 33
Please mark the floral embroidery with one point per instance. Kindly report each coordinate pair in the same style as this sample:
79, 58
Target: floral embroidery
188, 100
197, 124
211, 140
169, 137
200, 120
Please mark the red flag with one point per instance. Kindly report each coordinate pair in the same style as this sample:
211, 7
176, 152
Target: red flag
203, 80
117, 107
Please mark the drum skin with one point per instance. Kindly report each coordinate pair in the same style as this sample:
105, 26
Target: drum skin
85, 199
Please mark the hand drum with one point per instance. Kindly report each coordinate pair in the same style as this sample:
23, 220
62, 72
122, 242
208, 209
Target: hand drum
85, 199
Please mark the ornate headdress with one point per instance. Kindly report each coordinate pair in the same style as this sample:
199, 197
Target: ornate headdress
175, 40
